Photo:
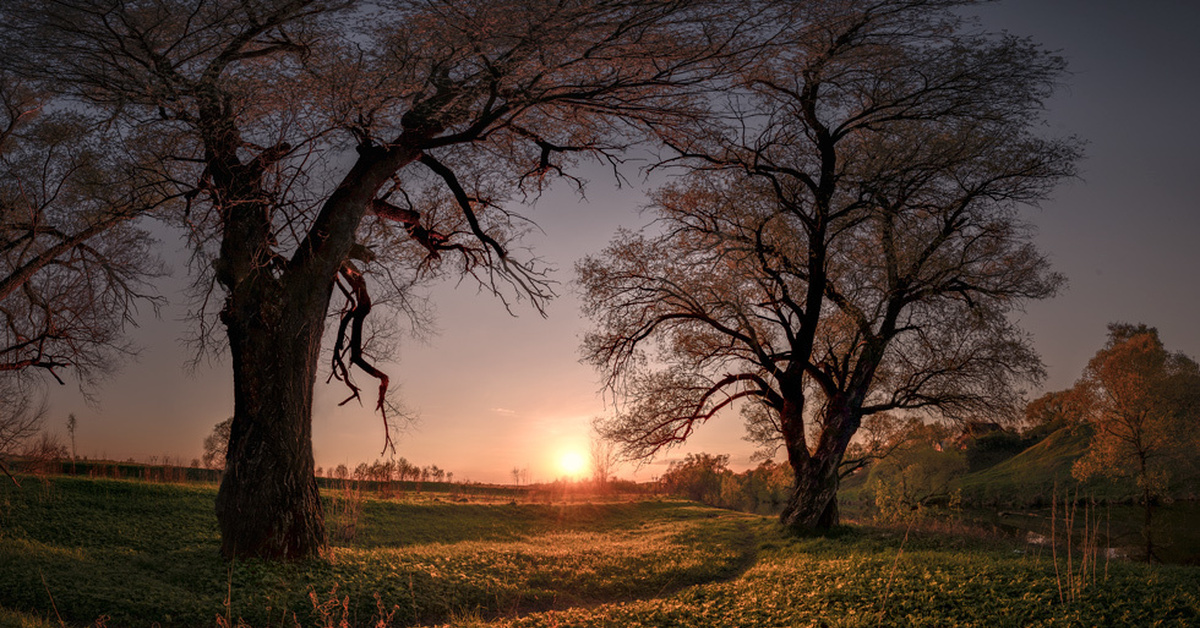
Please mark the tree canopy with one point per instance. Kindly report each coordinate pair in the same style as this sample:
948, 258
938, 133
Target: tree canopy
368, 147
1143, 404
74, 264
850, 243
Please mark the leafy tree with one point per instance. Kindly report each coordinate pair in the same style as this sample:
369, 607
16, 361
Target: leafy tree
697, 476
910, 479
1054, 410
215, 445
362, 146
850, 246
1143, 403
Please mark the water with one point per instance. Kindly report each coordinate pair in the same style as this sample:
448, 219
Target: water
1116, 529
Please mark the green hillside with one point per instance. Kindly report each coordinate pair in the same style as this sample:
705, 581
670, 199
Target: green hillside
1030, 477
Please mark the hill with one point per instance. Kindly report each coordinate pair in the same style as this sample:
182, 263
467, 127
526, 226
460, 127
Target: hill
1029, 478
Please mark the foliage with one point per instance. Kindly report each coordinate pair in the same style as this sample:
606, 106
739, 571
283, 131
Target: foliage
908, 481
1143, 404
706, 478
697, 477
993, 448
1054, 410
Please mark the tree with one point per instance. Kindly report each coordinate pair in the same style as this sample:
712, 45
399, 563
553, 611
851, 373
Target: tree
73, 265
1054, 410
850, 246
72, 423
603, 456
215, 445
697, 477
363, 146
20, 419
1143, 403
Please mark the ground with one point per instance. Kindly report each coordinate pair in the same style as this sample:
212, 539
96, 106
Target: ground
126, 553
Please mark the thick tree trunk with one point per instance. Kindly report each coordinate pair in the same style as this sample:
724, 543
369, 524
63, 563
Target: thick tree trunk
268, 505
812, 506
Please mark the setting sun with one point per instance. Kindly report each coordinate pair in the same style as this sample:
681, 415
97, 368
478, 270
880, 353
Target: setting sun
572, 464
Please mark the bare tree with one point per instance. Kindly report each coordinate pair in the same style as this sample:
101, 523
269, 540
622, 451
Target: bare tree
851, 245
359, 145
20, 419
73, 265
603, 455
215, 445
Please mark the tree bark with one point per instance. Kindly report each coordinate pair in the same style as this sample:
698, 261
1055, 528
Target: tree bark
812, 505
268, 505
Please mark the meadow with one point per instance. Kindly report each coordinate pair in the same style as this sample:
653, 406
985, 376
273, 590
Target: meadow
79, 552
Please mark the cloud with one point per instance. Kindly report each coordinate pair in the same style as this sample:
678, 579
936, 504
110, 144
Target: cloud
504, 411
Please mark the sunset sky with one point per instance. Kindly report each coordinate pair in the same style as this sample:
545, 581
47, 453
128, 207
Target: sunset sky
494, 391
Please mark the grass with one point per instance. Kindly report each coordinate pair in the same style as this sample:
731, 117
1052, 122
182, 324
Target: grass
1030, 477
138, 554
143, 554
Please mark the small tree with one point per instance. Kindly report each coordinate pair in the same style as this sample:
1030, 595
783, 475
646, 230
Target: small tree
603, 455
215, 445
1143, 403
71, 424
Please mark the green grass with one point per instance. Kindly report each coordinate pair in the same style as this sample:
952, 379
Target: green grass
871, 577
138, 554
1030, 477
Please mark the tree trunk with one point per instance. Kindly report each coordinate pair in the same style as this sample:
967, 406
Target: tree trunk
812, 506
268, 505
1148, 498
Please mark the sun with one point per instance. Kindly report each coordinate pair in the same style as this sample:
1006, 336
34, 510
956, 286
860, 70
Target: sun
572, 464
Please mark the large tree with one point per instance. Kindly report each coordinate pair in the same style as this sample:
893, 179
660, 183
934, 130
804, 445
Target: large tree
852, 245
1143, 404
362, 145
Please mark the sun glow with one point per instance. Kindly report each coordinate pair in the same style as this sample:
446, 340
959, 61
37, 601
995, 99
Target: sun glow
572, 464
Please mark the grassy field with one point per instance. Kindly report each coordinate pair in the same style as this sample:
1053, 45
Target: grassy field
123, 553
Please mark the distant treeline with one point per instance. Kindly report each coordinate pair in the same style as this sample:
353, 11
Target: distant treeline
381, 479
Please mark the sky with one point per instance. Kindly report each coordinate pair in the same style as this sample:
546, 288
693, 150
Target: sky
494, 392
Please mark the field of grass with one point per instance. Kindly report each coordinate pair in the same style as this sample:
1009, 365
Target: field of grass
125, 553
